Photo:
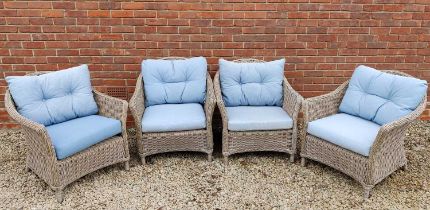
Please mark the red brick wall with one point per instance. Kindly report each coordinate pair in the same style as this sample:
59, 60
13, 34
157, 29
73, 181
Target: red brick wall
322, 40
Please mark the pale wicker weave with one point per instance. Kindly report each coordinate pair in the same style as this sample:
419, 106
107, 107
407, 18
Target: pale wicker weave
268, 140
150, 143
386, 155
41, 156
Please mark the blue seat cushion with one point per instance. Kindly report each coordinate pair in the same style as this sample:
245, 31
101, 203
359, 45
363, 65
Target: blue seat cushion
174, 81
253, 118
252, 84
173, 117
347, 131
54, 97
76, 135
381, 97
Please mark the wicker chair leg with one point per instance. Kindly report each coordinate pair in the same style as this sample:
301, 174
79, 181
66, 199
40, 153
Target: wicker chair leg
210, 157
142, 159
59, 195
292, 158
127, 165
367, 191
226, 160
303, 162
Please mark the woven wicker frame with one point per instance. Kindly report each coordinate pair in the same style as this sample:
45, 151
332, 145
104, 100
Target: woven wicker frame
386, 155
161, 142
41, 156
253, 141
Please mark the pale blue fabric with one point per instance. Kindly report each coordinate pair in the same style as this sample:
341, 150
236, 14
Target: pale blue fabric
252, 84
174, 81
252, 118
347, 131
381, 97
173, 117
54, 97
76, 135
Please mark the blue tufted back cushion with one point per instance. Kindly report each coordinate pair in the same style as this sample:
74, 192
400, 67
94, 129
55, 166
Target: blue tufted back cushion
252, 84
174, 81
54, 97
381, 97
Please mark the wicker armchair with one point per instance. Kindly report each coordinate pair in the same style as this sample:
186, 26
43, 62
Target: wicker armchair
253, 141
150, 143
387, 153
41, 156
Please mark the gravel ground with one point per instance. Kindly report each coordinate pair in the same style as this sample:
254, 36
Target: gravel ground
188, 181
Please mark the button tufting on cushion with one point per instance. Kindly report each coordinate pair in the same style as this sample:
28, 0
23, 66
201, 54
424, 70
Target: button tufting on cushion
381, 97
252, 84
54, 97
174, 81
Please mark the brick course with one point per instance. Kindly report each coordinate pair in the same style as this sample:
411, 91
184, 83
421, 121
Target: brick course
322, 40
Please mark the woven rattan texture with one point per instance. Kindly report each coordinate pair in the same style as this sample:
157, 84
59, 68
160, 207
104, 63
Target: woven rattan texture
386, 155
154, 143
41, 157
251, 141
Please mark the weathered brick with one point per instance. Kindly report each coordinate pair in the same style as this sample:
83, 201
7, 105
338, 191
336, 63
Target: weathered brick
19, 37
33, 45
39, 5
53, 13
145, 14
122, 14
15, 4
69, 5
21, 52
29, 13
322, 40
98, 13
8, 29
133, 5
82, 5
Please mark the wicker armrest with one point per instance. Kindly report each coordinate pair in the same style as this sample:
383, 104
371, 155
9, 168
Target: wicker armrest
292, 100
39, 135
321, 106
114, 108
391, 132
137, 104
219, 100
111, 107
324, 105
209, 102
